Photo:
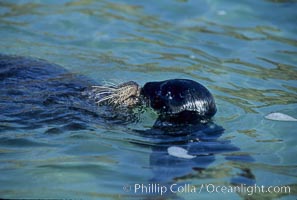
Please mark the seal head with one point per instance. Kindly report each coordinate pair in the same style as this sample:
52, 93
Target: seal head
123, 95
177, 101
181, 100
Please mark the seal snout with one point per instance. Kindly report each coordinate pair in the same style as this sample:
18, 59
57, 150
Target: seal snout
122, 95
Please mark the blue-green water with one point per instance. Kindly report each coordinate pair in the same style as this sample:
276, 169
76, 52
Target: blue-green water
243, 51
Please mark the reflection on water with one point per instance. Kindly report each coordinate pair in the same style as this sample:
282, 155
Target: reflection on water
244, 52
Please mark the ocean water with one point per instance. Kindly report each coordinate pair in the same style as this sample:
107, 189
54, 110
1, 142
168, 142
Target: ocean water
244, 52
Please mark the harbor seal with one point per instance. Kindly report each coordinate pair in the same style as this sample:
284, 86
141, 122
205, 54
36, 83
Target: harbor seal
50, 88
177, 101
36, 94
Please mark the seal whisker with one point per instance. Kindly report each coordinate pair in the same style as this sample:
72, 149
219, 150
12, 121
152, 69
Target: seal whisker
105, 98
109, 83
104, 92
104, 88
124, 94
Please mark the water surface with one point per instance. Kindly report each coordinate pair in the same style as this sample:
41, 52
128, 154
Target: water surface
243, 51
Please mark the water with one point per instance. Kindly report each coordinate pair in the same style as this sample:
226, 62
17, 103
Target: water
244, 52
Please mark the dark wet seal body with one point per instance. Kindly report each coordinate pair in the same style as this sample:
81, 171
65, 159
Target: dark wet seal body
28, 81
35, 93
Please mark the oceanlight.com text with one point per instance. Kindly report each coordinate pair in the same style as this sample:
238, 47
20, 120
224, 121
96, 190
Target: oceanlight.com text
159, 189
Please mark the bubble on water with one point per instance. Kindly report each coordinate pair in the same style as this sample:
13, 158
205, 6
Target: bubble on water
221, 12
280, 117
192, 56
179, 152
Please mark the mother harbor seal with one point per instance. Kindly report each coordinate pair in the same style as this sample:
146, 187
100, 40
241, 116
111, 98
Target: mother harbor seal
34, 81
35, 94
